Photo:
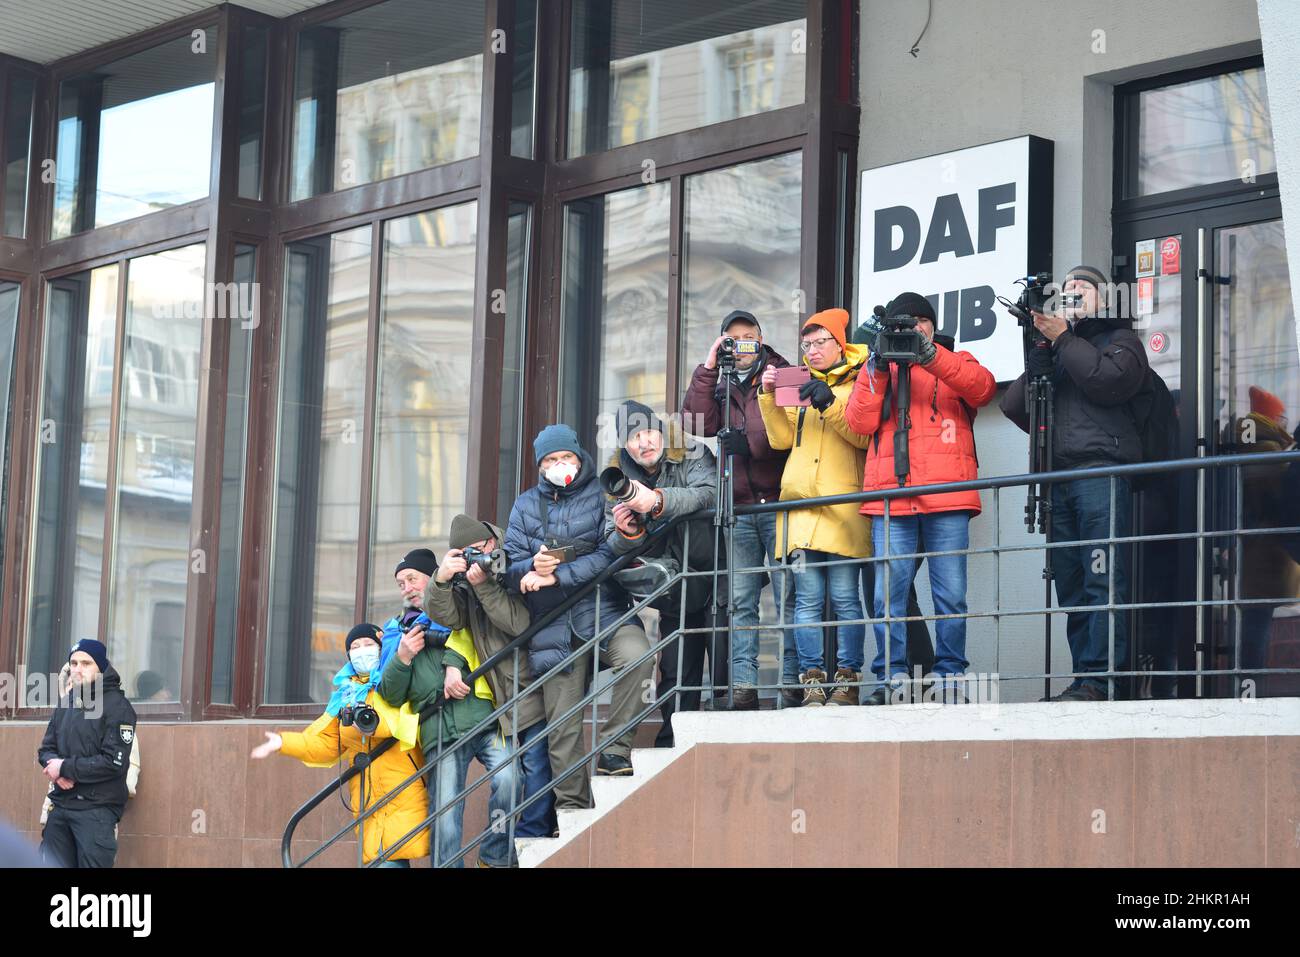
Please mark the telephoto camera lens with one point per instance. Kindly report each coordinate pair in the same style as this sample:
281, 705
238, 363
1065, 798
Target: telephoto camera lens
617, 485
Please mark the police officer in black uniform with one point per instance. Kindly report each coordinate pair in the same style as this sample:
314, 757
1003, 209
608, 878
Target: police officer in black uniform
86, 754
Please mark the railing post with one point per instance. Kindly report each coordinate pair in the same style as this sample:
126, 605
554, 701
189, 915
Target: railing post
1110, 592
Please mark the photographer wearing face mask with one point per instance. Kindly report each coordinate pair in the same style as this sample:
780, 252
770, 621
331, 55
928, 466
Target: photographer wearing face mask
1096, 365
669, 475
355, 720
556, 543
470, 597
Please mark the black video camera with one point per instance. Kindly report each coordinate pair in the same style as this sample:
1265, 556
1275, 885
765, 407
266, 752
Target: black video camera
899, 341
732, 347
364, 717
1035, 297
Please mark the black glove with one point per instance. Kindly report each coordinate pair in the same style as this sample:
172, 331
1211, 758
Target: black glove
1039, 362
818, 394
927, 352
732, 442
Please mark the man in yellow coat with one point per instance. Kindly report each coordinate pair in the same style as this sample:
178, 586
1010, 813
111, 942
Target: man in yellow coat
826, 458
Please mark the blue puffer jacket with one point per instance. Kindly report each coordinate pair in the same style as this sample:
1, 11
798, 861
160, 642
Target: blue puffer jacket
575, 512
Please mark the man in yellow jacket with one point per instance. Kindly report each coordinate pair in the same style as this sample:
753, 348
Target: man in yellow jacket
327, 741
826, 458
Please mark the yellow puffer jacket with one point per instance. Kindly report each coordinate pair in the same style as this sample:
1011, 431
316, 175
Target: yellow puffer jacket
320, 746
826, 458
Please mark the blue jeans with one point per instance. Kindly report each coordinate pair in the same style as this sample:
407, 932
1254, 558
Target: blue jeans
1080, 511
537, 820
941, 532
392, 863
754, 539
491, 751
810, 586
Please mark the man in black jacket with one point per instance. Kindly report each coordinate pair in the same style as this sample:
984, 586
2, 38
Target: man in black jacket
1097, 366
86, 754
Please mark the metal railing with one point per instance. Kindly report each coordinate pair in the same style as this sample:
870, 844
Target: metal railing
722, 637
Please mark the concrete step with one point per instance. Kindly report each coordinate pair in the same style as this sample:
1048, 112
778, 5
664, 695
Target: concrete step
607, 792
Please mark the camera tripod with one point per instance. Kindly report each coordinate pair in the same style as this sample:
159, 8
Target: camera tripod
724, 523
1039, 394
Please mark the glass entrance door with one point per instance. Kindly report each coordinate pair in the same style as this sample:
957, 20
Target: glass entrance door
1209, 295
1254, 401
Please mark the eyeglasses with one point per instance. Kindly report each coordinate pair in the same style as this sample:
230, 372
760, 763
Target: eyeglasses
808, 345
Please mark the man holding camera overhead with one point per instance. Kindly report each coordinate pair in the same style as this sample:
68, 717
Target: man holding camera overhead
1097, 365
945, 389
468, 595
665, 479
756, 478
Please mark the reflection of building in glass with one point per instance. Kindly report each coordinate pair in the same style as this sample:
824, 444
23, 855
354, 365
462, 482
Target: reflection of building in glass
649, 92
410, 121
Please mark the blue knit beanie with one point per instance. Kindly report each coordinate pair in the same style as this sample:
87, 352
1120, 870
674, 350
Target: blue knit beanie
555, 438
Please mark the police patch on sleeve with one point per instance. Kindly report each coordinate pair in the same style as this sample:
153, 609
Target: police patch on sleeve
126, 732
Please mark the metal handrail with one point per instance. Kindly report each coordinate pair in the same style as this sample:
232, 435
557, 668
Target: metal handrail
517, 643
996, 482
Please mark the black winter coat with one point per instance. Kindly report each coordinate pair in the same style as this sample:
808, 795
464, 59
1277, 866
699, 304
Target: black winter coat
96, 752
1099, 367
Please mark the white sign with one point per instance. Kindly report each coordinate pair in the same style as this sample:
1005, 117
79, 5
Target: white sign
960, 228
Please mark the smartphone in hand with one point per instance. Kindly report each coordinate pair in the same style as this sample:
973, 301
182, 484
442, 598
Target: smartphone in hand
788, 382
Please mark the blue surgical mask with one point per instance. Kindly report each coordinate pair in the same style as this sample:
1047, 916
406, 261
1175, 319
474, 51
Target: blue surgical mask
364, 660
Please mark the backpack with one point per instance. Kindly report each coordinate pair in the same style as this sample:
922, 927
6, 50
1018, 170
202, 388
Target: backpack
1155, 415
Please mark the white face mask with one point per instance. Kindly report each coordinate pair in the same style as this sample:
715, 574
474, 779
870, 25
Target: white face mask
364, 660
561, 473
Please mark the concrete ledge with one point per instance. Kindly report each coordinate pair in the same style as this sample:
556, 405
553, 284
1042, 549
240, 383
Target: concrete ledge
1038, 721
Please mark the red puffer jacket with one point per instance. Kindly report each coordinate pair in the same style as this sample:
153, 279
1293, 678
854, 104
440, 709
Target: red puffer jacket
941, 446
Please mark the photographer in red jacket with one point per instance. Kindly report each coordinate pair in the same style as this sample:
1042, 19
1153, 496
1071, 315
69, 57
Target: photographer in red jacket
946, 388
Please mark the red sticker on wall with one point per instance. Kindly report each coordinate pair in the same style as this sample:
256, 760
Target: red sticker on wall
1170, 250
1159, 343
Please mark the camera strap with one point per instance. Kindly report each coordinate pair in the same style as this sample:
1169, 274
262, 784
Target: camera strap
580, 546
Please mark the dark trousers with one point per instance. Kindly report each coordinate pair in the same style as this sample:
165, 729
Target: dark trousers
690, 650
85, 838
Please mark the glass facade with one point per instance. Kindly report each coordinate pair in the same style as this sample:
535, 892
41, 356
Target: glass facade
17, 139
637, 74
318, 468
390, 89
741, 251
102, 176
244, 413
615, 308
72, 470
422, 402
163, 335
10, 293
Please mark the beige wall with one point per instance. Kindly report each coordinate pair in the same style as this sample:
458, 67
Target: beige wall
1176, 802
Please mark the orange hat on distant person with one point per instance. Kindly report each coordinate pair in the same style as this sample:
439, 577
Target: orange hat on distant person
1266, 404
834, 321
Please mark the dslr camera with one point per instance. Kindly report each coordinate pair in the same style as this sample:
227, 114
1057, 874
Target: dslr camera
420, 621
364, 717
488, 561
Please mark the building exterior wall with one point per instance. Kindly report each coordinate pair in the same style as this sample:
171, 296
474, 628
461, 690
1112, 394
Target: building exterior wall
1003, 69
